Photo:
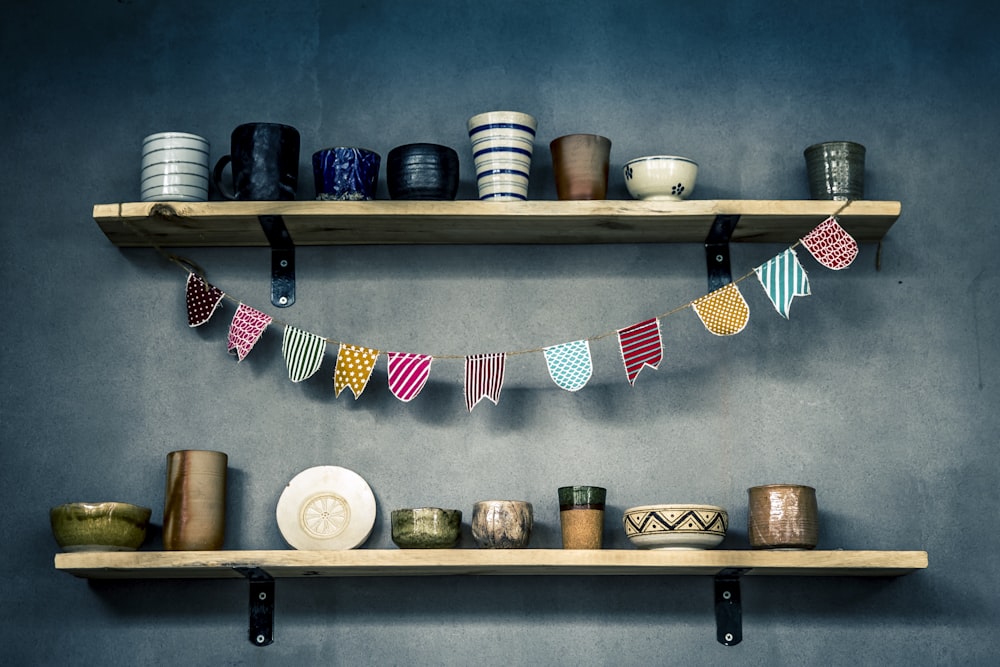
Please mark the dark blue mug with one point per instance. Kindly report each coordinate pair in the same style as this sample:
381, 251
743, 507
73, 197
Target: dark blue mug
265, 159
346, 173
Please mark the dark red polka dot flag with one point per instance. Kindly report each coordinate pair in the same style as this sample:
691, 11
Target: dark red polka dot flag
202, 300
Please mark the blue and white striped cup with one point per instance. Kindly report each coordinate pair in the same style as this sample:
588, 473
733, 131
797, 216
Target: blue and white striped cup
502, 144
174, 167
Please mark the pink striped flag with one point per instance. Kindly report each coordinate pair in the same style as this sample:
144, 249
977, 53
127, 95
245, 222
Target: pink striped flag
483, 377
408, 374
640, 346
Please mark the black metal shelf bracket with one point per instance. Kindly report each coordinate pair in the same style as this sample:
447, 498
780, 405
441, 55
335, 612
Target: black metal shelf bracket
261, 631
728, 607
282, 260
717, 251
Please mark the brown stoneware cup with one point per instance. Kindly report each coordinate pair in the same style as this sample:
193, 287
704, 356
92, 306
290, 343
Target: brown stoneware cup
581, 516
194, 507
502, 524
580, 163
783, 516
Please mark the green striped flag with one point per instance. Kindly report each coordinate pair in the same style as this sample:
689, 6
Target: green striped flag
303, 353
783, 279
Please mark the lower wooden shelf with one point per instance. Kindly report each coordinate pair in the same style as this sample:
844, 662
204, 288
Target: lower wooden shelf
420, 562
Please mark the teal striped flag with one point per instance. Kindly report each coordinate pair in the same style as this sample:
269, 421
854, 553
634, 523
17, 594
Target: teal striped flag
783, 279
303, 353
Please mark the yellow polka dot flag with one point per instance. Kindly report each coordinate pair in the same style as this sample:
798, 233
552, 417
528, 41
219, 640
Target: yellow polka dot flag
354, 368
724, 312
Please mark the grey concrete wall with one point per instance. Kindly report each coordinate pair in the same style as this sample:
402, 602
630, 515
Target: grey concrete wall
881, 391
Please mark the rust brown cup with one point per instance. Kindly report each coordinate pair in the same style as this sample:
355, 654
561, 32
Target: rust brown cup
194, 507
783, 516
580, 163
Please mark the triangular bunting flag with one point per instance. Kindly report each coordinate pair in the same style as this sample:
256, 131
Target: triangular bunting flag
831, 245
569, 364
246, 329
783, 278
202, 300
724, 312
408, 374
640, 346
354, 368
303, 353
484, 377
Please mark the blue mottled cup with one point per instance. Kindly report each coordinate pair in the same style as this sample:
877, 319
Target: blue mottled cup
502, 145
346, 173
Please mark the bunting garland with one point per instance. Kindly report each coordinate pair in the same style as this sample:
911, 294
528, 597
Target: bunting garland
723, 312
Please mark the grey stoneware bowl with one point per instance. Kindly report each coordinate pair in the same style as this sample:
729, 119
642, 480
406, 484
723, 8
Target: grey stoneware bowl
426, 528
422, 171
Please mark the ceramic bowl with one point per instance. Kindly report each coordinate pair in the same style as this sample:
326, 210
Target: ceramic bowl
426, 528
108, 526
346, 173
682, 526
422, 171
502, 524
661, 177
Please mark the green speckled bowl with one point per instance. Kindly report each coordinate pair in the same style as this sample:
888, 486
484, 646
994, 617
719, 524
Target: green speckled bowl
426, 528
99, 526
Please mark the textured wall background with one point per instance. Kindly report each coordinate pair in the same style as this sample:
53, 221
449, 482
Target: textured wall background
881, 391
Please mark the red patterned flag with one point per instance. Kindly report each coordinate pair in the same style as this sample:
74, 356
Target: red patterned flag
483, 377
202, 300
831, 245
640, 347
408, 374
246, 329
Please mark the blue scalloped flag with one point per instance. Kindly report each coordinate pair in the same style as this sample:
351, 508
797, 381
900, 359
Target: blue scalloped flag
570, 365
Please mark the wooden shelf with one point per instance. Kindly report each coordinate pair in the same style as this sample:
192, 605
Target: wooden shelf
418, 562
182, 224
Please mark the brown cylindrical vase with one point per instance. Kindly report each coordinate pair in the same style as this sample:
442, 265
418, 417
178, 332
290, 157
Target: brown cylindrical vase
194, 507
581, 516
580, 163
783, 516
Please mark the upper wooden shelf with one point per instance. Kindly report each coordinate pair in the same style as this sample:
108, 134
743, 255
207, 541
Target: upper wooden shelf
231, 223
411, 562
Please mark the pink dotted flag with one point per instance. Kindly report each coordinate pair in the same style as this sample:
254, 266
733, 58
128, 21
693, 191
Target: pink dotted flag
246, 329
831, 245
408, 374
202, 300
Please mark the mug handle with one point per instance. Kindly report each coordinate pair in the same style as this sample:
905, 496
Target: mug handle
217, 176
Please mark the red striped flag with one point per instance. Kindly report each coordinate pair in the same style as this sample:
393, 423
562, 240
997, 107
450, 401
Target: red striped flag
408, 374
640, 346
483, 377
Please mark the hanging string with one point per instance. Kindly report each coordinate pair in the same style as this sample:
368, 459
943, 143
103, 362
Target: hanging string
167, 213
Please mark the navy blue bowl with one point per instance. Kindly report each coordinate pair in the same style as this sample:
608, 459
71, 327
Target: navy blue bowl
422, 171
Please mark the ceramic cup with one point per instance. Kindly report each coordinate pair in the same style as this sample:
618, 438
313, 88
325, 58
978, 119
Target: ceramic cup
581, 516
836, 170
502, 524
174, 167
194, 507
783, 516
502, 145
422, 171
346, 173
265, 163
580, 163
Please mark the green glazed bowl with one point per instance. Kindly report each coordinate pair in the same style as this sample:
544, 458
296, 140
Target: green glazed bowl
426, 528
99, 526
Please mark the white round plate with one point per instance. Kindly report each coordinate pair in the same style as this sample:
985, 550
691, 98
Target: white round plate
326, 508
